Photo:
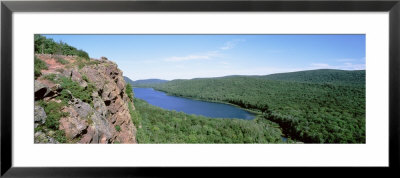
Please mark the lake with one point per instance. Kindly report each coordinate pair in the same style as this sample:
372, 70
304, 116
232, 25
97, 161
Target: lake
190, 106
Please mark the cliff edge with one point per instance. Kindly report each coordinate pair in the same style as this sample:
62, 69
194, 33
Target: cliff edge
80, 100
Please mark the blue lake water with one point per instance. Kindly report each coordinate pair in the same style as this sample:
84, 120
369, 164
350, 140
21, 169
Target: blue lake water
189, 106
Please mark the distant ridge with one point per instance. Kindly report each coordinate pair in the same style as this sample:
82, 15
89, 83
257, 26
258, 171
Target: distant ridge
333, 76
128, 80
318, 76
142, 83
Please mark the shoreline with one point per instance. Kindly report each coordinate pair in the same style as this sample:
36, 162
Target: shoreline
255, 112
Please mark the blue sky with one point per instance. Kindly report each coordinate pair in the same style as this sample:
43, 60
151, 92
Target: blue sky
197, 56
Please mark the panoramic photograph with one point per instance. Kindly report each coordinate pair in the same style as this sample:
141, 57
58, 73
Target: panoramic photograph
199, 89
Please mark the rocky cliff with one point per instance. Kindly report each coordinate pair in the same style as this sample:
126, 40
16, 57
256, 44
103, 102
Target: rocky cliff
81, 100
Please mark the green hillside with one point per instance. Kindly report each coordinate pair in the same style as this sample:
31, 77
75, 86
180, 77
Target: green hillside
45, 45
144, 83
321, 106
321, 76
128, 80
163, 126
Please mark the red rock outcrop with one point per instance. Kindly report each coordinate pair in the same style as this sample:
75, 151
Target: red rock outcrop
106, 119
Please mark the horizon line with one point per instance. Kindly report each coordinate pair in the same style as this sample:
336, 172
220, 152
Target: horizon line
241, 74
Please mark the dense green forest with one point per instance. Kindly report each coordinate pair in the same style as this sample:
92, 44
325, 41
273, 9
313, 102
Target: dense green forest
45, 45
326, 76
163, 126
320, 106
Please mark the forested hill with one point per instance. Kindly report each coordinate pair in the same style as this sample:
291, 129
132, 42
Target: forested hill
343, 77
128, 80
315, 107
140, 83
319, 76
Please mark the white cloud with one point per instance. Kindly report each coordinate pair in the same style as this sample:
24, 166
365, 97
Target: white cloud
352, 60
350, 66
180, 66
344, 66
186, 58
205, 56
224, 63
148, 61
345, 60
320, 65
231, 44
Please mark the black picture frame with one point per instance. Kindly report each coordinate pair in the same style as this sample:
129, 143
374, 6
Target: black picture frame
8, 7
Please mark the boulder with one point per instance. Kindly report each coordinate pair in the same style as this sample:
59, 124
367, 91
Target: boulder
83, 109
40, 115
88, 137
75, 75
83, 84
87, 122
76, 123
67, 73
41, 137
72, 126
41, 90
99, 105
56, 88
103, 129
52, 140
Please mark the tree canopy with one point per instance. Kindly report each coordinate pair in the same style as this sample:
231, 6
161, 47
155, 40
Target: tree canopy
45, 45
322, 106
